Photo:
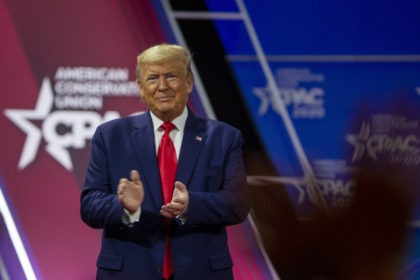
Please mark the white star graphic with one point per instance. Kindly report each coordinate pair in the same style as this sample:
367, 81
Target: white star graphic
264, 98
359, 141
22, 117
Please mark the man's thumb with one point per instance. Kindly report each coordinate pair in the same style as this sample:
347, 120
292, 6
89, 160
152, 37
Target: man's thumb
135, 177
180, 186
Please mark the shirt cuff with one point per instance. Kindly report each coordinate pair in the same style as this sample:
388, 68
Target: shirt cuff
182, 218
130, 219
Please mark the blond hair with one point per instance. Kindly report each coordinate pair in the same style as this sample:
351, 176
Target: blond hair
161, 54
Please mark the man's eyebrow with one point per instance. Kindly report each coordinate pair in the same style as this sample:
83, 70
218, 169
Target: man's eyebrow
151, 75
165, 73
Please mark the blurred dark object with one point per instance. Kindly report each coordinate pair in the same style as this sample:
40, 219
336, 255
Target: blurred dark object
363, 241
277, 223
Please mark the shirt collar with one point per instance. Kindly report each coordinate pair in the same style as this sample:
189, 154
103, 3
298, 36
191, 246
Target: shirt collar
179, 121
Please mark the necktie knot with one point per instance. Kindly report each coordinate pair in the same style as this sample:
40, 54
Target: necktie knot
167, 127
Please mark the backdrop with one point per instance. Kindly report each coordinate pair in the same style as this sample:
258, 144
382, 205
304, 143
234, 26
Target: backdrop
326, 87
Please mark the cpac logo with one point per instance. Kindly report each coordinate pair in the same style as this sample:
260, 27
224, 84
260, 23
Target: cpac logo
336, 187
382, 144
306, 103
77, 127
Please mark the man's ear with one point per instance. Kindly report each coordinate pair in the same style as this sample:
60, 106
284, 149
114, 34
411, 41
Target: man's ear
190, 82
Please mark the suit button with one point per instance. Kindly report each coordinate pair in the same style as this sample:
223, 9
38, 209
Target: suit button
159, 269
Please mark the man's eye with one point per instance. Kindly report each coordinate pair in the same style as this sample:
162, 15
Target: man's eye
171, 77
152, 80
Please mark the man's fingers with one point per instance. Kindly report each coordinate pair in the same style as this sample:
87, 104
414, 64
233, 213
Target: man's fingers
170, 212
121, 186
172, 207
165, 214
135, 177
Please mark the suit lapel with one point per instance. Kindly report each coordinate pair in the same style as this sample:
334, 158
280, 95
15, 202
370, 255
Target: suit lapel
192, 143
144, 145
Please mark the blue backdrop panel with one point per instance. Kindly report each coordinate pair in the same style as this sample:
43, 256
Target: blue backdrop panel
330, 86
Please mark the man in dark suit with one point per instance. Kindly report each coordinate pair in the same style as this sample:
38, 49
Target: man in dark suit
123, 192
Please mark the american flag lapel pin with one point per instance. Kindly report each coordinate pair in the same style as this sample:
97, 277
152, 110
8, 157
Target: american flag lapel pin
198, 138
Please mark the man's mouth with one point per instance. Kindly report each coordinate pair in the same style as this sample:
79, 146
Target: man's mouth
164, 98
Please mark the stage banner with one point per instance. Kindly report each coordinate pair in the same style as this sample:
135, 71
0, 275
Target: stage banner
331, 89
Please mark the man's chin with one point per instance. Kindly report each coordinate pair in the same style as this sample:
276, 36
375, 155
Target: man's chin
165, 111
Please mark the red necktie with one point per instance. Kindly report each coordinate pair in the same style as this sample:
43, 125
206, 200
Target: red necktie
167, 167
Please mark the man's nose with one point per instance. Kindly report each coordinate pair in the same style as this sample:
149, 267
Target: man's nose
163, 83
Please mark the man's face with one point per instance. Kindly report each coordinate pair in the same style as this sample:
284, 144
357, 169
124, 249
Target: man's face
165, 88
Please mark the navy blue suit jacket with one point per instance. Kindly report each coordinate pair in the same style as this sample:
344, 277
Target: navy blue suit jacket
210, 164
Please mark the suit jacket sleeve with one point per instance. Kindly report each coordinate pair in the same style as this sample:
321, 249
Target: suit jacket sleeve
218, 194
100, 207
